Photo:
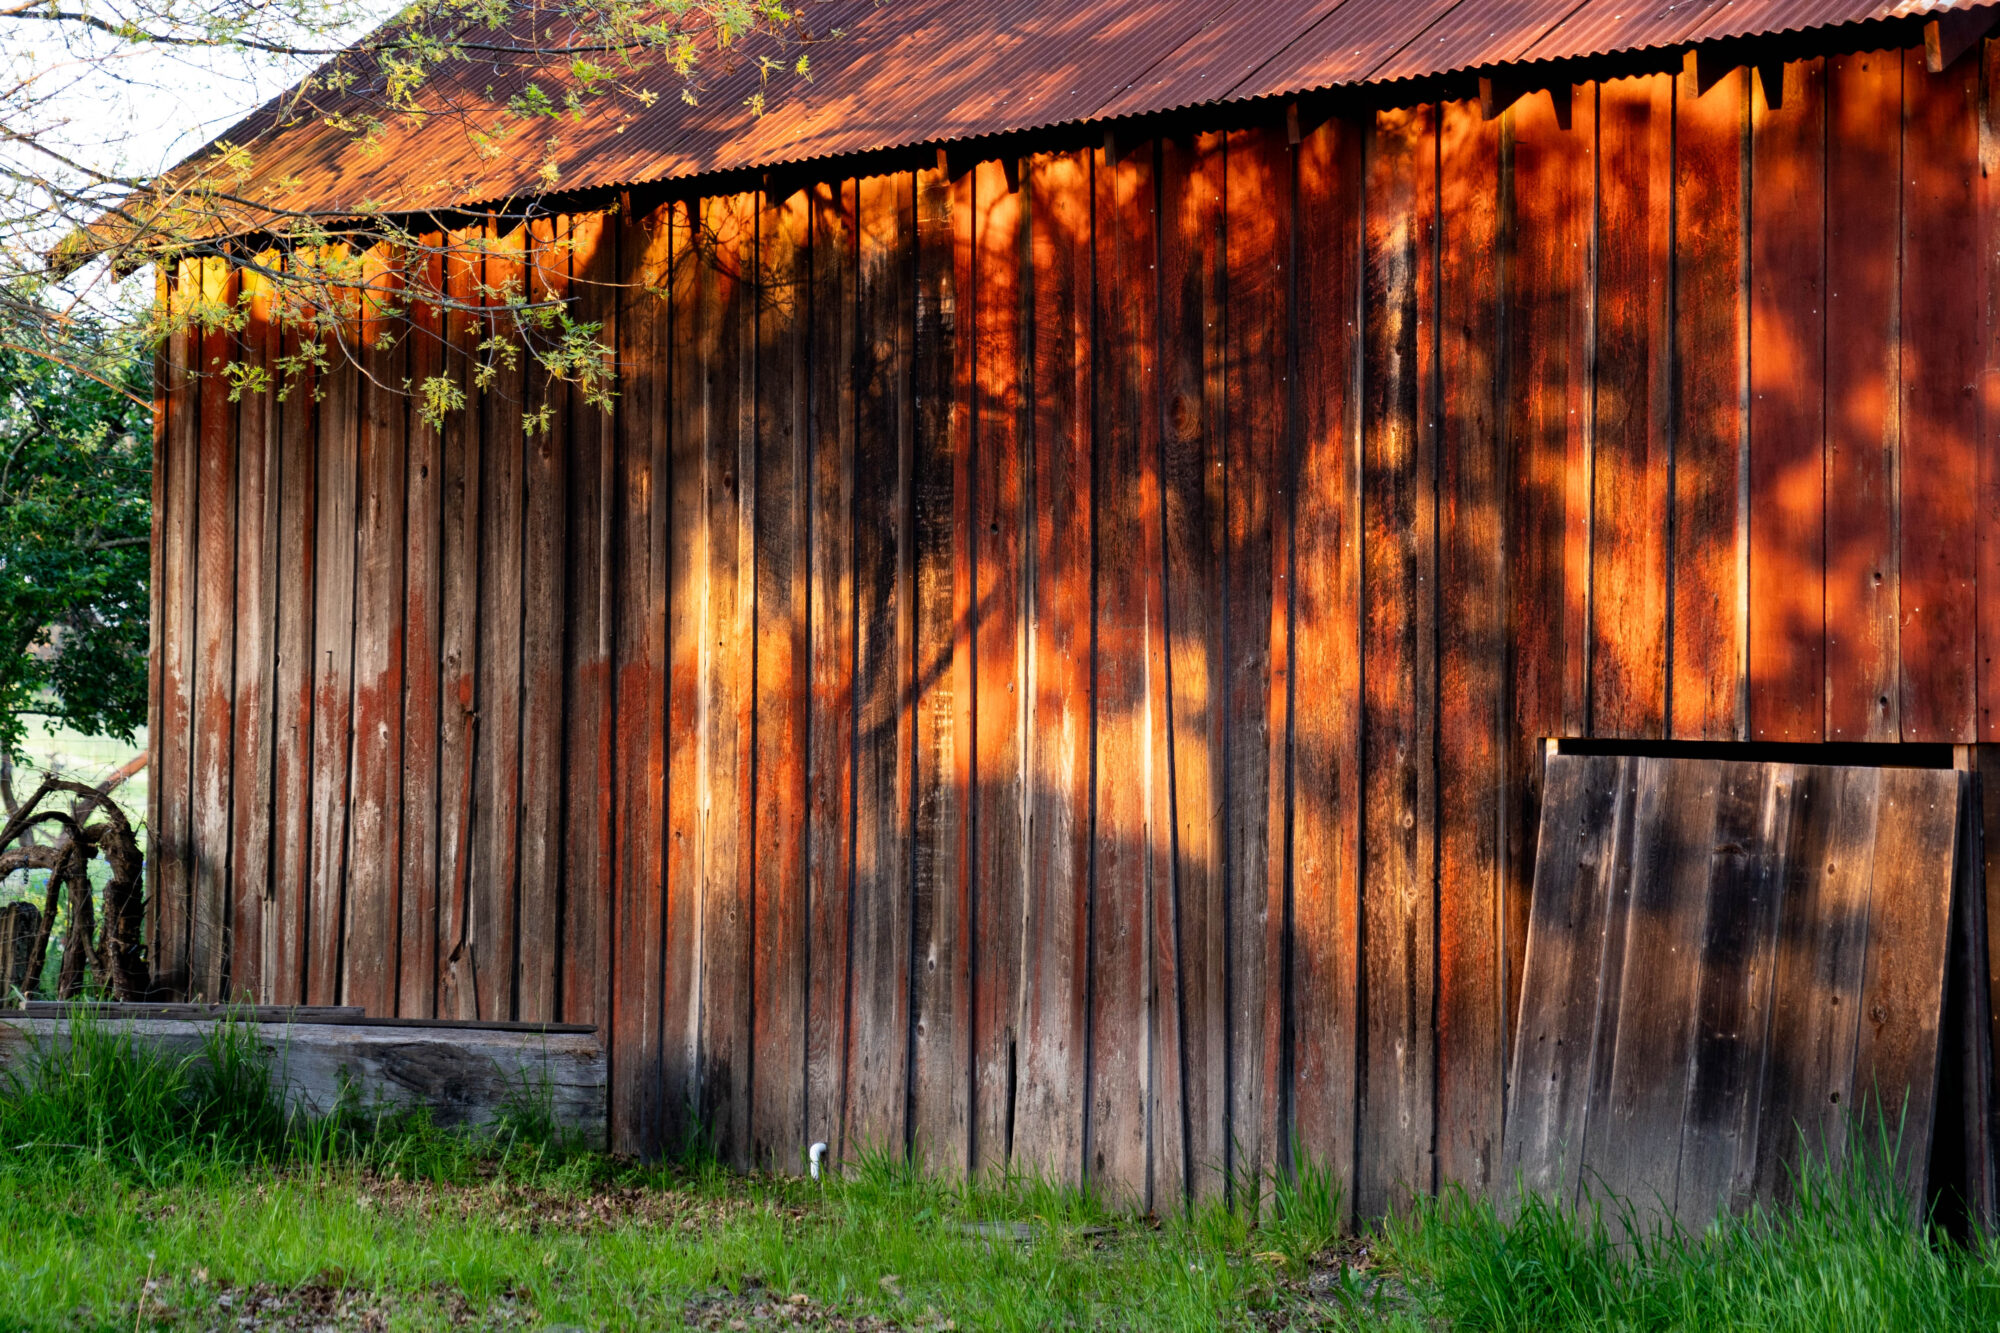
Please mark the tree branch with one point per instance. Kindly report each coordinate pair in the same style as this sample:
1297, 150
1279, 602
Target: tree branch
52, 358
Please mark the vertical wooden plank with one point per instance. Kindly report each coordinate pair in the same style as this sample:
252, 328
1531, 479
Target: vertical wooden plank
422, 703
1398, 903
1631, 1149
368, 947
1631, 445
878, 1060
831, 352
589, 743
778, 1135
1908, 932
257, 479
1863, 108
494, 883
1193, 511
1473, 719
1736, 959
999, 513
1709, 364
1276, 1057
725, 253
337, 449
1587, 812
544, 618
1788, 332
1986, 528
1120, 1049
940, 980
291, 775
1048, 1129
1254, 261
1546, 174
214, 661
1939, 361
1815, 1012
458, 629
171, 782
1578, 390
652, 875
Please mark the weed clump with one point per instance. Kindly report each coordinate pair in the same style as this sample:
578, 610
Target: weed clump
1843, 1253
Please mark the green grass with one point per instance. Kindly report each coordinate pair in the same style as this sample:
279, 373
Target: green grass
137, 1193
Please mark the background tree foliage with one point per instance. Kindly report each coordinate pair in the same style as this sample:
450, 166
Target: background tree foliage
75, 515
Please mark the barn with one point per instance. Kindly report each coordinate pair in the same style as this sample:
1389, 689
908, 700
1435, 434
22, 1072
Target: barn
1049, 659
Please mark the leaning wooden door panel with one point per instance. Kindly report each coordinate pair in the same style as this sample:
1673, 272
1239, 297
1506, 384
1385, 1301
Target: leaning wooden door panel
1770, 968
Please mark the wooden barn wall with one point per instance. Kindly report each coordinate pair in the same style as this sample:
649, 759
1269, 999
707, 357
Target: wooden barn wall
1045, 664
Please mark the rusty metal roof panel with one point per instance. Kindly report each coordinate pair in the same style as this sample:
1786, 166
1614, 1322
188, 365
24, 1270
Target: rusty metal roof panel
1230, 47
910, 72
1602, 26
1748, 18
1472, 34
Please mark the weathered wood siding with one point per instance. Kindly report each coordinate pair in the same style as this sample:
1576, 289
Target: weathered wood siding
1044, 661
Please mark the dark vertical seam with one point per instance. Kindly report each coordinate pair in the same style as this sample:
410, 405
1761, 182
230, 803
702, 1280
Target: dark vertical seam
1358, 509
1501, 732
1219, 706
1283, 1154
1090, 878
1592, 260
1899, 686
1825, 320
755, 286
907, 556
1435, 387
965, 334
805, 493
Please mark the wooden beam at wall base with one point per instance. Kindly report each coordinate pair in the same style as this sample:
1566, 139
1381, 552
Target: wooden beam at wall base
1953, 33
462, 1074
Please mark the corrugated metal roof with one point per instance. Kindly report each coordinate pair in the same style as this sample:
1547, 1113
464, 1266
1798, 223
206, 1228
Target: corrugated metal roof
907, 72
